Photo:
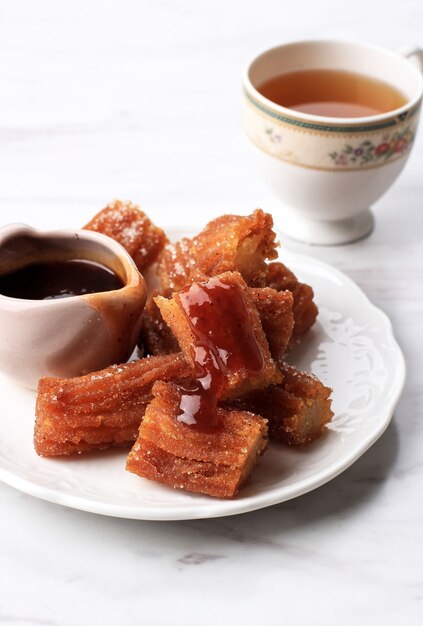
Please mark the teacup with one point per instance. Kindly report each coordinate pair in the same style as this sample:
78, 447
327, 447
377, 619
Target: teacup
70, 336
328, 171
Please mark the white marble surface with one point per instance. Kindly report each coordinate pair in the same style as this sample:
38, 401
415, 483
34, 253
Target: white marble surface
141, 100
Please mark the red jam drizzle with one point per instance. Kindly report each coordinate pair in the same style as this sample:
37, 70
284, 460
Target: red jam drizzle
224, 341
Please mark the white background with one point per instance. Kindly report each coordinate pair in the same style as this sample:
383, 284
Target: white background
141, 100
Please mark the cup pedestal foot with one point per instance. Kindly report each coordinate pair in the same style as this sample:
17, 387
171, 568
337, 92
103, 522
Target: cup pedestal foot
325, 233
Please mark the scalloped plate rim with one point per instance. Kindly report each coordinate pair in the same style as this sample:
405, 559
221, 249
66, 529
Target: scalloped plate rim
275, 495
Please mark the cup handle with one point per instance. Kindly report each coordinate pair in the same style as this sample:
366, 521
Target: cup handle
413, 53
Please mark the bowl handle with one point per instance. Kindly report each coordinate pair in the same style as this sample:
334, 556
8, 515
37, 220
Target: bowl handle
413, 53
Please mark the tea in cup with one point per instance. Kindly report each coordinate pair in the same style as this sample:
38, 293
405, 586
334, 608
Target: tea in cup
334, 123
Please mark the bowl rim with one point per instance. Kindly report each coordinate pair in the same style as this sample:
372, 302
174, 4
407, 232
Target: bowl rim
134, 279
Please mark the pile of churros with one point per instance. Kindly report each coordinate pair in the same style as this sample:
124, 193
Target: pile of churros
211, 387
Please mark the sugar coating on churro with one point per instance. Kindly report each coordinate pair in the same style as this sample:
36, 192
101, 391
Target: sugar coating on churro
217, 463
132, 228
99, 410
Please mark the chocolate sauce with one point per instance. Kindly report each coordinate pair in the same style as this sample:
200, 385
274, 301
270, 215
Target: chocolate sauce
224, 342
58, 279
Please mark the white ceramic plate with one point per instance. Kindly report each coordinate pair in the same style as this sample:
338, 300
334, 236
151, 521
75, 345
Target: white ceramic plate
351, 348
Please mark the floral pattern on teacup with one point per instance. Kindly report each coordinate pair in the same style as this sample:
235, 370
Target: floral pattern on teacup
273, 136
390, 145
330, 147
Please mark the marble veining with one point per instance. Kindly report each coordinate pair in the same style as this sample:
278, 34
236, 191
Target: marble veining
143, 101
